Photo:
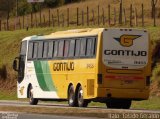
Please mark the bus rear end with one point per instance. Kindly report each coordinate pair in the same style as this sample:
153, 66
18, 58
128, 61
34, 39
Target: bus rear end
124, 73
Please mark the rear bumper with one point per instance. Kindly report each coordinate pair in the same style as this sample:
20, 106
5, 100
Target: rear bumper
135, 94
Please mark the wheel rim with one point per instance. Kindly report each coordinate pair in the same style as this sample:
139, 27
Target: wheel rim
80, 96
30, 96
71, 96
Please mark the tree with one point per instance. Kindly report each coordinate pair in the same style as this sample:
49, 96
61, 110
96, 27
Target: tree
6, 6
153, 3
23, 7
51, 3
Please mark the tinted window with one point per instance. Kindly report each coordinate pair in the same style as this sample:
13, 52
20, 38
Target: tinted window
35, 50
66, 48
23, 48
94, 46
45, 50
40, 49
83, 47
50, 50
61, 49
72, 48
77, 47
30, 50
56, 49
90, 46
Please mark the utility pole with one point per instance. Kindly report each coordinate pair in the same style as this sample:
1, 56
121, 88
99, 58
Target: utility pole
16, 8
16, 14
120, 12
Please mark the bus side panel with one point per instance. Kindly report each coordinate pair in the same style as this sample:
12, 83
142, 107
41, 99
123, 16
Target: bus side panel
78, 71
84, 74
58, 69
38, 75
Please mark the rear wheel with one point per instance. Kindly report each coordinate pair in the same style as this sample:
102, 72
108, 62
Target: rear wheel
118, 104
71, 96
32, 101
79, 98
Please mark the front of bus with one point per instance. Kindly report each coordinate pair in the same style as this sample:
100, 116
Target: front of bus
126, 67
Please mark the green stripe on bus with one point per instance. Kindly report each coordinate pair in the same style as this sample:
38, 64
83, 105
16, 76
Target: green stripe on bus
47, 75
43, 75
40, 76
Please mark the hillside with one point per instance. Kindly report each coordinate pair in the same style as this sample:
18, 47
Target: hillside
50, 17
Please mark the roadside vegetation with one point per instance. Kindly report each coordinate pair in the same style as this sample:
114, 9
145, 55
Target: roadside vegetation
8, 95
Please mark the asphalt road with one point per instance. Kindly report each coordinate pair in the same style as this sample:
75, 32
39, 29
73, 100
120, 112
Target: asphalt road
53, 106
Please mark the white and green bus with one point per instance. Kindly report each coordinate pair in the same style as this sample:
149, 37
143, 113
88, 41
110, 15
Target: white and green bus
84, 65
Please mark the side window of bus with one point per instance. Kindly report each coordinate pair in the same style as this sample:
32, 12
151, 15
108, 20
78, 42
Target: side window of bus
77, 47
94, 46
51, 49
91, 46
71, 48
66, 47
45, 50
40, 49
23, 48
56, 48
35, 50
83, 47
30, 50
61, 48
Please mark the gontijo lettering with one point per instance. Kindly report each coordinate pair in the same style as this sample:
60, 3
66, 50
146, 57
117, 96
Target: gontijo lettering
125, 53
63, 66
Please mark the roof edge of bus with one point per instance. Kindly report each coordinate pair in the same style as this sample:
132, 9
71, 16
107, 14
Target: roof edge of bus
67, 32
130, 29
29, 37
78, 31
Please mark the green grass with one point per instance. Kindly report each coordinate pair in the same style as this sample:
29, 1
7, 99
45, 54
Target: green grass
5, 95
152, 103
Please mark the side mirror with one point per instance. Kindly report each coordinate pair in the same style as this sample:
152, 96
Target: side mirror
15, 64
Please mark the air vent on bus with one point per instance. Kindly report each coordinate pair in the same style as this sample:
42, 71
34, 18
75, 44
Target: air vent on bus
90, 87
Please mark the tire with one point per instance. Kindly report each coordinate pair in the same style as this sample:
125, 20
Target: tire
126, 104
71, 96
32, 101
79, 98
118, 104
